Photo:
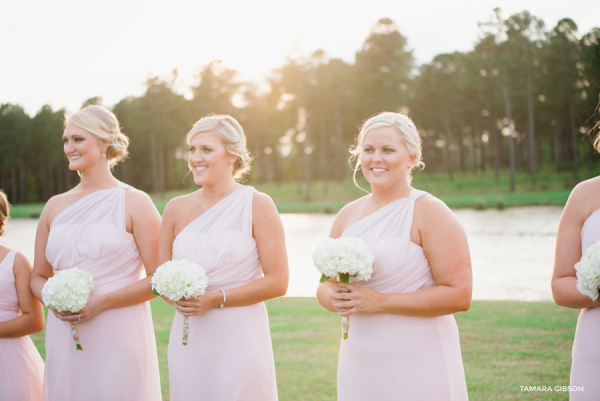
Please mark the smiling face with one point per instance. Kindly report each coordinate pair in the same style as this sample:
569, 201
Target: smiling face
208, 159
384, 157
82, 148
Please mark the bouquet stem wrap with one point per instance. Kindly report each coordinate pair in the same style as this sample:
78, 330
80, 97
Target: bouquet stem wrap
75, 334
344, 258
69, 290
186, 330
345, 319
180, 280
345, 326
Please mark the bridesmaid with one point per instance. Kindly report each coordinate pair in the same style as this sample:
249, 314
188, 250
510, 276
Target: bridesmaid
236, 235
579, 228
403, 341
21, 366
111, 231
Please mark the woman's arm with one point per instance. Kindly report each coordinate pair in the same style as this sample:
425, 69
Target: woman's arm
32, 313
445, 245
325, 289
42, 269
145, 226
568, 249
270, 241
167, 233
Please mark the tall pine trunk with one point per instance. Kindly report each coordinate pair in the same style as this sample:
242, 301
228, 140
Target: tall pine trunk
339, 146
573, 131
324, 149
307, 176
154, 164
461, 146
497, 137
530, 127
449, 166
511, 140
298, 156
13, 185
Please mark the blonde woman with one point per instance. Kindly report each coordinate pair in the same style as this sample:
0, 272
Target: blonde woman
236, 235
403, 342
579, 228
110, 230
21, 366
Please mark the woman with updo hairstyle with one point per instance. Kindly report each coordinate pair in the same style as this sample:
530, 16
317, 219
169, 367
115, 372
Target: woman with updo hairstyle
236, 235
403, 342
110, 230
579, 228
21, 366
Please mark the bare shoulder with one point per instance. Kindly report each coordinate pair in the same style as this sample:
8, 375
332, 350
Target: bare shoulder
134, 195
262, 203
55, 205
431, 208
344, 216
22, 264
177, 204
584, 198
432, 213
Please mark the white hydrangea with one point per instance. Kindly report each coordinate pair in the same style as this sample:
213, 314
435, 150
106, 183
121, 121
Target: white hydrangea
179, 279
347, 255
588, 272
68, 290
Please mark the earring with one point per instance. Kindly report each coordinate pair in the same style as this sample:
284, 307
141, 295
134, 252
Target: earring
104, 155
231, 168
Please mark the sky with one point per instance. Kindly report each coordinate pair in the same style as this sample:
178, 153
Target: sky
64, 52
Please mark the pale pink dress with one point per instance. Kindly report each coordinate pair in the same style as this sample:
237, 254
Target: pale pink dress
119, 360
21, 366
391, 356
229, 355
585, 368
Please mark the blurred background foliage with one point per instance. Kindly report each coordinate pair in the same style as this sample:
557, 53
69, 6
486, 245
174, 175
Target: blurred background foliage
521, 102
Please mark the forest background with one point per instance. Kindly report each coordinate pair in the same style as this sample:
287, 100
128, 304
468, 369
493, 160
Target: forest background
507, 122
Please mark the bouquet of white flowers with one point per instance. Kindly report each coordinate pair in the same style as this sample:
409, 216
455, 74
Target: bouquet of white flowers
177, 280
588, 272
69, 290
344, 258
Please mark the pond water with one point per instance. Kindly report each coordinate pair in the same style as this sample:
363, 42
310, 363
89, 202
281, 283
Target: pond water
512, 250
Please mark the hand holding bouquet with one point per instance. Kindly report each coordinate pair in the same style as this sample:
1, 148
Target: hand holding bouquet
177, 280
68, 290
588, 272
344, 258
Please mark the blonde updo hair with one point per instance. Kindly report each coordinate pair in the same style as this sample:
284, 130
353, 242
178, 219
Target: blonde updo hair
407, 130
231, 133
4, 212
103, 124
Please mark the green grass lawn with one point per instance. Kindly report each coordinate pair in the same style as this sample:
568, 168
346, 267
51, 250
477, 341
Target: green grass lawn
478, 191
504, 345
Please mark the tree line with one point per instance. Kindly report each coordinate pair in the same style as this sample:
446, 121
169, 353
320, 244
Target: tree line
523, 98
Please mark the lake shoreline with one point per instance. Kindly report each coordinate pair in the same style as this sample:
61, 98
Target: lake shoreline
477, 202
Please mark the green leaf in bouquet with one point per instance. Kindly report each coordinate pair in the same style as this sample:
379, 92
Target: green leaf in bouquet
345, 278
324, 278
155, 292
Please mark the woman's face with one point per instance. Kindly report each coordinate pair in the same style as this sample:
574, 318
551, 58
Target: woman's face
82, 148
208, 159
384, 158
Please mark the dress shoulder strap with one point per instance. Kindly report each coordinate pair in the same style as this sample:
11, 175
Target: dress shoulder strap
416, 194
9, 260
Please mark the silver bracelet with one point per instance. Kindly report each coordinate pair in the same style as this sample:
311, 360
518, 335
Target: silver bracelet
224, 299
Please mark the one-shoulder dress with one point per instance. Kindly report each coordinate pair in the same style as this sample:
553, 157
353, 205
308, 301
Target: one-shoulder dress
229, 355
118, 360
585, 367
391, 356
21, 366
